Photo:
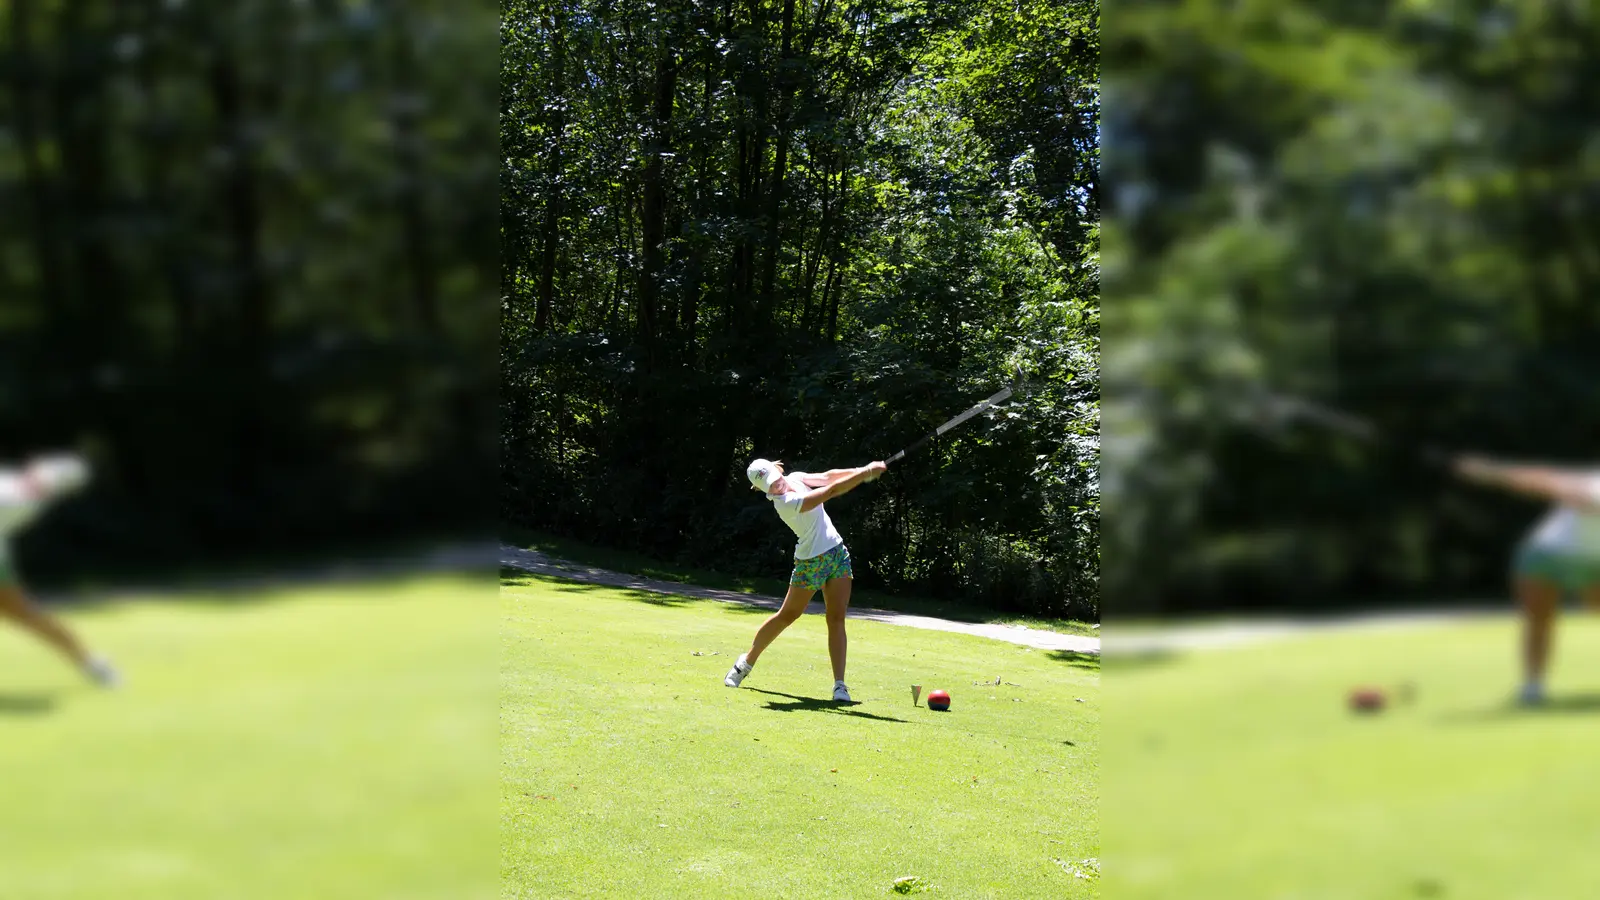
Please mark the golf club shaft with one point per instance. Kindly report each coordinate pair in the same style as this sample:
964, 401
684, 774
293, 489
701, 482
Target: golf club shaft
997, 398
1362, 429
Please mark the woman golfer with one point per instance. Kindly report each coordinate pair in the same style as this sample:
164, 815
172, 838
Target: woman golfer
1559, 558
821, 561
24, 493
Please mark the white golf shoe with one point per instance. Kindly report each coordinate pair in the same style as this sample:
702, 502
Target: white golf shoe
1532, 694
101, 672
840, 692
738, 672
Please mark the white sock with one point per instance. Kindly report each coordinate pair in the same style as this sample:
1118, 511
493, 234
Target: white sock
100, 669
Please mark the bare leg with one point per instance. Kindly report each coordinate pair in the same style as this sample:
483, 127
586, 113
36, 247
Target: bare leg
794, 606
836, 594
1539, 600
16, 606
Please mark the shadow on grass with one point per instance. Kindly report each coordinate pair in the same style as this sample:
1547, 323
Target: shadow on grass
642, 566
1076, 659
1573, 703
635, 594
359, 566
33, 704
1141, 659
517, 578
1560, 705
815, 704
510, 577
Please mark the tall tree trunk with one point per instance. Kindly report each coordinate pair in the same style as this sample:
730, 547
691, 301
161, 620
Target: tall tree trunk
413, 216
753, 206
240, 193
624, 213
825, 240
156, 158
786, 86
44, 231
96, 307
739, 300
695, 280
831, 300
550, 233
808, 321
752, 90
653, 224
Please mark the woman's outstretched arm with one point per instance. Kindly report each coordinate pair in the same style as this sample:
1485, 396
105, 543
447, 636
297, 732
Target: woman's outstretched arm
1566, 486
828, 478
857, 476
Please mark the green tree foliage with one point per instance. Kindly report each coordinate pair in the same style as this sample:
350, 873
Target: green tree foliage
242, 263
810, 230
1384, 206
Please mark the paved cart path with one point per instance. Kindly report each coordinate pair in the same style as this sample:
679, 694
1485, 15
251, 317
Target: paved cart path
532, 561
1230, 634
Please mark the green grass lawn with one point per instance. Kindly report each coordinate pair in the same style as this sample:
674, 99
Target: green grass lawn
1241, 773
315, 742
629, 770
646, 567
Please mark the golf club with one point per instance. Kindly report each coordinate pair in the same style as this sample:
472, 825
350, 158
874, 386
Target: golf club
1288, 408
987, 404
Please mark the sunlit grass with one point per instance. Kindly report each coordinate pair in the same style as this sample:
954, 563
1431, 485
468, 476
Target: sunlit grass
315, 742
1243, 773
631, 771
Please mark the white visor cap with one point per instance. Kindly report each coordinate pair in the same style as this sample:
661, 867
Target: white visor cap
762, 472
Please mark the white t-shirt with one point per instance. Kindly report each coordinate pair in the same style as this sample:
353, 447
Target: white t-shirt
18, 507
814, 529
1568, 529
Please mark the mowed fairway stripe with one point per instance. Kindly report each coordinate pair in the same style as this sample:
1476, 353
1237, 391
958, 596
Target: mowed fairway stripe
630, 770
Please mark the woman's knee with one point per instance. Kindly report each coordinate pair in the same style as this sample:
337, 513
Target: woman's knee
1538, 596
13, 603
794, 604
838, 604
